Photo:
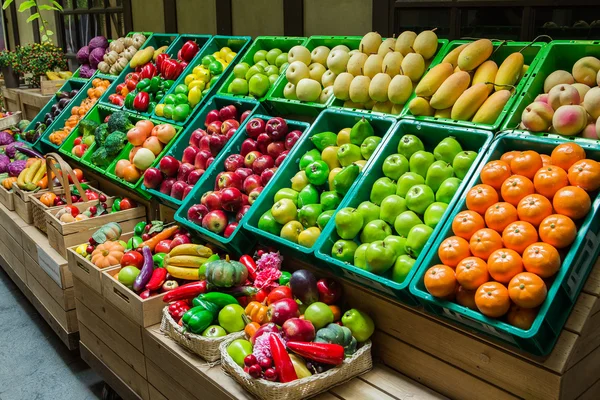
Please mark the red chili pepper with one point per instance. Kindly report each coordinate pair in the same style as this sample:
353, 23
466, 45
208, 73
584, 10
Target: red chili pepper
159, 61
187, 291
171, 69
145, 294
188, 51
326, 353
280, 292
141, 101
148, 71
250, 265
281, 359
157, 279
178, 308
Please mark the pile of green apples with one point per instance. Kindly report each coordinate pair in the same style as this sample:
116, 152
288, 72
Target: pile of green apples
256, 80
326, 173
406, 204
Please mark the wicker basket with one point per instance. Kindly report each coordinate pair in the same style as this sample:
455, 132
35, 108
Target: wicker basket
11, 120
358, 364
207, 348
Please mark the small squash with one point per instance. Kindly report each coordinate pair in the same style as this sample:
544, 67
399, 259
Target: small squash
7, 182
226, 273
257, 312
116, 45
107, 254
110, 231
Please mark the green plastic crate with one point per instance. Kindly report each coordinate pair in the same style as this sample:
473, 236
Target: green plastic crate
97, 114
78, 77
563, 288
236, 43
156, 40
281, 105
182, 141
559, 54
329, 120
240, 241
501, 51
262, 43
439, 56
431, 134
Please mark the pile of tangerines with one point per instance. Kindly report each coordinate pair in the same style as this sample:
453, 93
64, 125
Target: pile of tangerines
506, 246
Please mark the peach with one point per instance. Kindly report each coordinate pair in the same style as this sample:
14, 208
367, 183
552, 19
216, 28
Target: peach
582, 89
537, 116
563, 95
569, 120
591, 102
556, 78
153, 144
589, 131
542, 97
586, 69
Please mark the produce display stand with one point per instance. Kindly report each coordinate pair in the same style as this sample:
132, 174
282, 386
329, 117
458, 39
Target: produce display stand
31, 101
22, 203
7, 198
11, 99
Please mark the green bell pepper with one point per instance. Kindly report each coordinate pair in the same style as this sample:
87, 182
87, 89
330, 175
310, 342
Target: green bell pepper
158, 259
158, 96
285, 277
116, 206
197, 319
129, 100
154, 84
151, 106
167, 84
143, 85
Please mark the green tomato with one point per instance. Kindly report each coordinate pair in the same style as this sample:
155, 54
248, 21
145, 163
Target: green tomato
181, 99
214, 331
168, 110
215, 68
181, 88
127, 275
206, 60
169, 99
181, 112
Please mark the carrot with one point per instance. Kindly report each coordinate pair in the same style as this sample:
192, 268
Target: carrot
164, 235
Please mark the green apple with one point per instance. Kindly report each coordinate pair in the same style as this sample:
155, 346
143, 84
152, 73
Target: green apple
263, 63
344, 250
238, 350
369, 212
382, 188
410, 144
416, 239
437, 173
272, 70
324, 218
348, 153
380, 257
240, 70
283, 66
291, 231
308, 195
368, 146
272, 55
259, 56
253, 70
238, 86
214, 331
434, 213
405, 221
319, 314
286, 193
360, 257
284, 211
408, 180
420, 162
375, 230
394, 166
273, 79
397, 243
281, 59
268, 223
299, 181
462, 163
308, 215
330, 200
230, 318
402, 268
391, 207
447, 149
309, 157
419, 197
447, 189
258, 85
348, 223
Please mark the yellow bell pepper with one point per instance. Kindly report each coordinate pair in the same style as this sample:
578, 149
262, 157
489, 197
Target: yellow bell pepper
196, 83
158, 110
189, 79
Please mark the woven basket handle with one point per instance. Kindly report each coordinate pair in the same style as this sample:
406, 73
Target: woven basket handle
63, 175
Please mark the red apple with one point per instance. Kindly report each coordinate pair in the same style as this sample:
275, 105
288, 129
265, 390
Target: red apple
184, 171
245, 200
229, 124
248, 145
245, 115
187, 191
279, 160
194, 176
230, 133
189, 154
243, 173
214, 127
241, 212
196, 136
276, 128
77, 141
263, 141
163, 246
196, 213
251, 183
180, 239
296, 329
177, 190
234, 162
229, 229
228, 112
229, 179
275, 149
282, 310
231, 199
201, 157
250, 158
166, 185
209, 161
204, 143
291, 139
212, 116
261, 163
217, 142
215, 221
169, 165
254, 194
255, 127
266, 175
153, 178
329, 290
204, 196
213, 201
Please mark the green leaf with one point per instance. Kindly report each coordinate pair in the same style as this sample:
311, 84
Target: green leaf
57, 5
47, 7
6, 4
33, 17
44, 38
26, 5
157, 226
49, 33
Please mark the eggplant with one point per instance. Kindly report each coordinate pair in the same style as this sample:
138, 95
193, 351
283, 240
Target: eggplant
145, 272
56, 113
62, 95
37, 125
304, 286
63, 102
54, 107
73, 93
28, 152
49, 121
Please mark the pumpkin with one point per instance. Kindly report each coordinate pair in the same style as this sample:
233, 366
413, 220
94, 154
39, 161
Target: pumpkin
107, 254
257, 312
110, 231
47, 199
7, 182
226, 273
333, 333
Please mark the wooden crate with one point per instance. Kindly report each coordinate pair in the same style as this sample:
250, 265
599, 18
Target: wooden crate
64, 297
11, 99
8, 250
144, 312
62, 236
155, 394
32, 101
13, 224
36, 245
7, 198
23, 203
85, 271
48, 87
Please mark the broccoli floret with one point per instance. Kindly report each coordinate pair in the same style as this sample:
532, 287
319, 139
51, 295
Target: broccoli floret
119, 121
101, 133
115, 142
100, 157
87, 127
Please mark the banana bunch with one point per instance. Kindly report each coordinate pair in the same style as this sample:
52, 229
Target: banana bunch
185, 260
57, 76
29, 177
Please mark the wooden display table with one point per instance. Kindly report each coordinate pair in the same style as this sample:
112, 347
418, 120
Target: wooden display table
11, 99
31, 101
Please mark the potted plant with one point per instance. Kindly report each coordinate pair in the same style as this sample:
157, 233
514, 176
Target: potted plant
35, 59
8, 62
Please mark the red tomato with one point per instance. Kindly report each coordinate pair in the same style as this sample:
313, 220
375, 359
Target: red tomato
133, 258
92, 195
77, 141
280, 292
127, 203
78, 173
164, 246
74, 210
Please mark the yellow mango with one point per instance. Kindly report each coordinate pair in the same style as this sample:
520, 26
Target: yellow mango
469, 102
450, 90
509, 71
452, 57
490, 110
475, 54
419, 106
486, 73
445, 113
433, 80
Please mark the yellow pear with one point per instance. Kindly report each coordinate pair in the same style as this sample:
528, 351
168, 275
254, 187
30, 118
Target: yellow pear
373, 65
368, 105
400, 89
356, 63
341, 86
328, 78
426, 44
326, 94
370, 43
392, 63
359, 89
351, 104
316, 71
343, 136
385, 107
329, 155
337, 60
419, 106
289, 91
332, 174
388, 45
413, 66
397, 109
319, 55
405, 42
378, 89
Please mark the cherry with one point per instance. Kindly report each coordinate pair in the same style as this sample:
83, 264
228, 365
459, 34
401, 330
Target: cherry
102, 198
265, 362
145, 237
255, 371
93, 210
89, 249
270, 374
250, 360
92, 241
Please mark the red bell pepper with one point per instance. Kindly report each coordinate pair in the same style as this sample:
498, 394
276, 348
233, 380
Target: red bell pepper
178, 308
120, 87
260, 296
148, 71
183, 64
141, 101
159, 61
281, 359
130, 85
187, 291
326, 353
188, 51
171, 69
280, 292
250, 265
157, 279
132, 76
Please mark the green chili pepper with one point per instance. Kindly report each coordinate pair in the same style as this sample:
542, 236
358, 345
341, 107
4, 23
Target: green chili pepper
139, 229
167, 84
159, 259
284, 279
143, 85
159, 96
116, 206
198, 320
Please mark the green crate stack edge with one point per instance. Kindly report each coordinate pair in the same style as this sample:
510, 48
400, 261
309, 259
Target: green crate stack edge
239, 241
282, 106
532, 54
439, 56
562, 293
156, 40
558, 54
431, 134
328, 120
216, 102
96, 114
213, 45
284, 43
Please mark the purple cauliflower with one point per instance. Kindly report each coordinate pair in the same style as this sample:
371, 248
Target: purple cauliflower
96, 56
85, 71
6, 138
83, 54
4, 161
98, 42
15, 167
11, 151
